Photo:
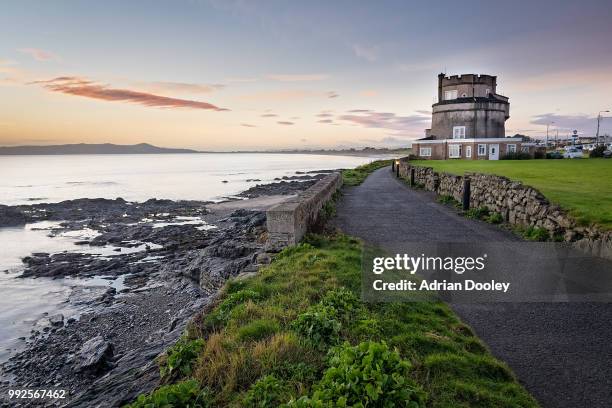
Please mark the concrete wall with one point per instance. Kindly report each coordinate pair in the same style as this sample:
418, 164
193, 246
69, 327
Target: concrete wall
289, 221
517, 203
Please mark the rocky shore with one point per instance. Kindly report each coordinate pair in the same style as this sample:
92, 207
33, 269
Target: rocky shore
169, 259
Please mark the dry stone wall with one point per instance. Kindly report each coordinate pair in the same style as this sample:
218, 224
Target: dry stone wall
517, 203
289, 221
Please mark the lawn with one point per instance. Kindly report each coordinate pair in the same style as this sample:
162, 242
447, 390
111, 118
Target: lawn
581, 186
298, 332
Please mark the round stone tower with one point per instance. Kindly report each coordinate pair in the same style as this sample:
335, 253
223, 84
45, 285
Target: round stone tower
469, 108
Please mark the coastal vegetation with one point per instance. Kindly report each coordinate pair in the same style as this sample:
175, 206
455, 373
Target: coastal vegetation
356, 176
297, 334
579, 186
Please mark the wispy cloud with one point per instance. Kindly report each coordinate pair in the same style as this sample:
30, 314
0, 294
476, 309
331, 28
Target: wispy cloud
387, 120
39, 55
368, 93
297, 77
565, 122
325, 121
86, 88
324, 114
285, 123
332, 94
269, 115
180, 87
287, 95
247, 125
369, 53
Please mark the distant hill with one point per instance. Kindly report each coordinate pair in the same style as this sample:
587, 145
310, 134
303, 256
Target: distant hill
84, 148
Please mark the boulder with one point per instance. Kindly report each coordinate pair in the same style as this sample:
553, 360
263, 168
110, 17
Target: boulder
94, 354
10, 217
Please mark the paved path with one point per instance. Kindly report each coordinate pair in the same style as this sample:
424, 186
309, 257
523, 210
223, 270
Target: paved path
561, 352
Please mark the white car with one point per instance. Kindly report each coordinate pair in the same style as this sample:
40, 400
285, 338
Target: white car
572, 153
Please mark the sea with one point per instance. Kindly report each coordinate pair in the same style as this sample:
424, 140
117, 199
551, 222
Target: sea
27, 303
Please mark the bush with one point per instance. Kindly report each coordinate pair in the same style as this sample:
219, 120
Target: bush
536, 234
179, 359
368, 374
344, 302
495, 218
516, 156
266, 392
539, 154
597, 151
258, 329
478, 213
448, 199
318, 326
186, 394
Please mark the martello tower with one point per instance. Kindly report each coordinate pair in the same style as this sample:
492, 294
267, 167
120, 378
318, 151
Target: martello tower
468, 107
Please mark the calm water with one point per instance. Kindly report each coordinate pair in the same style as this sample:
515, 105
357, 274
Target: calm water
25, 304
31, 179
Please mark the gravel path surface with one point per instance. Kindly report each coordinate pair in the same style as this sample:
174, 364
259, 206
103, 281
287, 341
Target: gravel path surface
561, 352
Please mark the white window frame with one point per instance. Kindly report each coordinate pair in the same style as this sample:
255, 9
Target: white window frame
487, 92
454, 151
511, 148
468, 151
458, 132
448, 95
425, 151
482, 152
525, 149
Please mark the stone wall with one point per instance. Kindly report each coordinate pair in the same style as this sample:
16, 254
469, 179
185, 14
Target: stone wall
517, 203
289, 221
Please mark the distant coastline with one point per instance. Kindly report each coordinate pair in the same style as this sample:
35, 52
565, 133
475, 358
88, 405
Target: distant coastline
145, 148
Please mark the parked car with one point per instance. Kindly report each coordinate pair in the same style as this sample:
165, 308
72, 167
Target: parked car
607, 154
572, 153
554, 155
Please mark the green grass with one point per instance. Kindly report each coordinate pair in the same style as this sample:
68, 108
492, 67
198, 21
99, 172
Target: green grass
356, 176
582, 187
255, 351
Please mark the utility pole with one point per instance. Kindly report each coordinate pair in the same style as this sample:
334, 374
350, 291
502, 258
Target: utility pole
599, 120
547, 125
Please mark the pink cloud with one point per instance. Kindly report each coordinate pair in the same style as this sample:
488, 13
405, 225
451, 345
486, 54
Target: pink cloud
247, 125
181, 87
285, 123
84, 87
269, 115
38, 54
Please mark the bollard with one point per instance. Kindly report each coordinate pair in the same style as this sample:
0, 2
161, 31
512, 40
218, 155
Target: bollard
412, 177
392, 166
466, 193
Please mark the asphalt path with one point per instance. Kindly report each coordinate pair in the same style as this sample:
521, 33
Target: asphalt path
561, 352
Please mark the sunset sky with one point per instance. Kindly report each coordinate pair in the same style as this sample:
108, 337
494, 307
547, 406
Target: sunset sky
242, 75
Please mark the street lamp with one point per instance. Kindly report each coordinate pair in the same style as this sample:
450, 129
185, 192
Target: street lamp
599, 120
547, 125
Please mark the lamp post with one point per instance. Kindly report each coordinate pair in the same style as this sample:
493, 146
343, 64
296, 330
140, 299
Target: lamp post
599, 120
547, 125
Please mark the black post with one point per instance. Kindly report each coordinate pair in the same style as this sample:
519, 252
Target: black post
412, 177
466, 193
393, 166
397, 169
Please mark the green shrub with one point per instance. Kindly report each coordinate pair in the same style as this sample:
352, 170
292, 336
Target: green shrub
344, 302
539, 154
179, 359
267, 392
356, 176
369, 374
186, 394
447, 199
258, 329
536, 234
495, 218
318, 326
516, 156
478, 213
222, 312
597, 151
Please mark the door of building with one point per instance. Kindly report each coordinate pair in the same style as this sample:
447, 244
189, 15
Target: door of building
493, 152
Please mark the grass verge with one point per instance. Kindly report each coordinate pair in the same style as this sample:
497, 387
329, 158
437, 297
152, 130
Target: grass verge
297, 334
356, 176
579, 186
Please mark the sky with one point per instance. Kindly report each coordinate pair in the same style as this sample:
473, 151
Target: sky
247, 75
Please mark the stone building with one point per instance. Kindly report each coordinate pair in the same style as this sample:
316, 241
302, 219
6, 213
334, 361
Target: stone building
468, 121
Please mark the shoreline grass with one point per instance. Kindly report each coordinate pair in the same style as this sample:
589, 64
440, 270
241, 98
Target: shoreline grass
581, 187
356, 176
297, 329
